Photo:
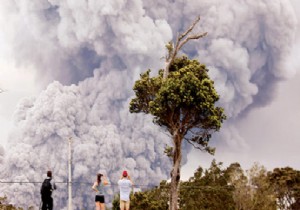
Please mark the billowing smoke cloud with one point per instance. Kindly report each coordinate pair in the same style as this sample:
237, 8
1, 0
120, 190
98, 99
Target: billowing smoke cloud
66, 40
105, 138
1, 154
101, 47
248, 51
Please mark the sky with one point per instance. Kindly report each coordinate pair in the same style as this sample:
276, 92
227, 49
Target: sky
67, 69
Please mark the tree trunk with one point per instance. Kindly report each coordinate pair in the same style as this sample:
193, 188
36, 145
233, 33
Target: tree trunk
175, 174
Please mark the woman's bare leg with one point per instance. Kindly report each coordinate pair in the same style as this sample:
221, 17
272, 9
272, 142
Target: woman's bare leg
102, 206
98, 207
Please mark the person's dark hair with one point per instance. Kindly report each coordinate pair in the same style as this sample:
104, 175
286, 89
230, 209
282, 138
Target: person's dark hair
99, 178
49, 173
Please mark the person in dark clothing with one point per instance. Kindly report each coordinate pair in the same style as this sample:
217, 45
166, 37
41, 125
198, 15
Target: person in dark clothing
46, 192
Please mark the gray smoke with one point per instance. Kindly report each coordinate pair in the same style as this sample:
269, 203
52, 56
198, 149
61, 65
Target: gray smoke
95, 50
248, 51
1, 154
106, 138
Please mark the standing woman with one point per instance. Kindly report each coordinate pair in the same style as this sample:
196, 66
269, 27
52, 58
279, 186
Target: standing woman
98, 188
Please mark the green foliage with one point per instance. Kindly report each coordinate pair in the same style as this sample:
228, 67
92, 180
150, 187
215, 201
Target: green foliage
184, 102
251, 191
237, 179
230, 188
207, 190
170, 47
168, 151
263, 196
116, 202
286, 184
5, 206
153, 199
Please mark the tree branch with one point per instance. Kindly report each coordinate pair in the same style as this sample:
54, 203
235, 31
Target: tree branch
190, 28
172, 52
196, 36
196, 147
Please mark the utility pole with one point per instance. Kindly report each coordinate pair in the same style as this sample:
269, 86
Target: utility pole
70, 174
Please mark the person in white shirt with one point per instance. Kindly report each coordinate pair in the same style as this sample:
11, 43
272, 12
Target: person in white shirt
125, 185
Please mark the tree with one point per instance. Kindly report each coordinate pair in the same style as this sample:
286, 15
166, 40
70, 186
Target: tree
239, 182
5, 206
152, 199
286, 185
182, 102
251, 191
230, 188
181, 40
261, 194
207, 190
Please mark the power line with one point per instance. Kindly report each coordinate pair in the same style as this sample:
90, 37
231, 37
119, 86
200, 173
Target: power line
135, 185
63, 182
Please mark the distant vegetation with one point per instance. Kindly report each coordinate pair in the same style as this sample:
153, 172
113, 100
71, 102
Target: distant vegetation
5, 206
218, 187
229, 188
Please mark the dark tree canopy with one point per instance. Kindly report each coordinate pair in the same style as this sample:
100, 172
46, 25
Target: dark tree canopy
153, 199
183, 103
207, 189
182, 100
286, 185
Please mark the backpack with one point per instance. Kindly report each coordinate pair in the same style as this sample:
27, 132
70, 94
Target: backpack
46, 188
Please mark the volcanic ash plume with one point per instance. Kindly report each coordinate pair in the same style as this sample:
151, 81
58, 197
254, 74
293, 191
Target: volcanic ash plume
101, 47
1, 154
110, 44
103, 141
248, 50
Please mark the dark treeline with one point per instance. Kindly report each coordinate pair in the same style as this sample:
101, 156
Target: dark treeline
219, 187
229, 188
